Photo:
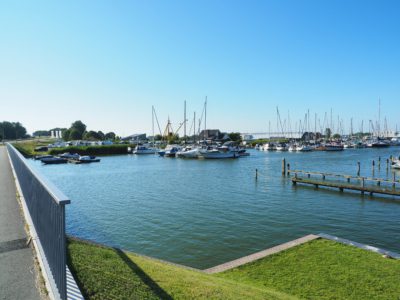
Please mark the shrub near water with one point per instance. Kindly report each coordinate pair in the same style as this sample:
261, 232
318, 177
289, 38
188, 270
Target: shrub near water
92, 150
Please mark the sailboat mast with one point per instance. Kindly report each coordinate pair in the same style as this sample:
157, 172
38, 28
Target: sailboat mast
152, 122
194, 127
205, 117
184, 122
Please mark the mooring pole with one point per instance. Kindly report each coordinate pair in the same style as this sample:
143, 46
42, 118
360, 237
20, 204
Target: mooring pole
288, 169
358, 168
394, 180
379, 162
387, 164
256, 174
283, 167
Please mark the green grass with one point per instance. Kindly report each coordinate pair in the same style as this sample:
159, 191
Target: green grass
319, 269
107, 273
92, 150
27, 148
323, 269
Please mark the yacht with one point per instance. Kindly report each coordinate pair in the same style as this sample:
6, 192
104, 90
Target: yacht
334, 147
269, 147
141, 149
188, 152
219, 153
282, 147
304, 148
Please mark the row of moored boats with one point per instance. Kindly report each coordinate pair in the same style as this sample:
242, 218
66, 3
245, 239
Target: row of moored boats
64, 158
328, 146
226, 150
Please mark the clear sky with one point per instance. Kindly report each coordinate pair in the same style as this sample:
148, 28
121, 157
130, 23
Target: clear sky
107, 62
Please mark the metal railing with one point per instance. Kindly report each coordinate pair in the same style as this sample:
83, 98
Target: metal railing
46, 206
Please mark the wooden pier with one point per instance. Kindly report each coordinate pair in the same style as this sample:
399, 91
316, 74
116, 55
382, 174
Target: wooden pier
347, 182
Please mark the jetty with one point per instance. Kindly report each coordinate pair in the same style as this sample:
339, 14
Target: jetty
346, 182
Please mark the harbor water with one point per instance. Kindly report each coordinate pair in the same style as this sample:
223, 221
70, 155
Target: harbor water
201, 213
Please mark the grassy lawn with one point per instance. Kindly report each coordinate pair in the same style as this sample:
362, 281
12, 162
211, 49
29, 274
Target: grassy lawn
323, 269
319, 269
107, 273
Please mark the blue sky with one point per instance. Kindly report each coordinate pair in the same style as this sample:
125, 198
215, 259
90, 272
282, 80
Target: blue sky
107, 62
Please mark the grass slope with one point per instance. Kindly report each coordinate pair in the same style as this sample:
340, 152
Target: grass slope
107, 273
323, 269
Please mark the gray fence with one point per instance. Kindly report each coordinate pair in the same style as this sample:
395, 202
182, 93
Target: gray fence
46, 205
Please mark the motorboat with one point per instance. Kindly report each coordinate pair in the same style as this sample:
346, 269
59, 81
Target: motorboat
169, 151
396, 166
293, 147
188, 152
141, 149
281, 147
242, 152
334, 147
269, 147
378, 144
40, 157
88, 159
219, 153
54, 160
68, 155
304, 148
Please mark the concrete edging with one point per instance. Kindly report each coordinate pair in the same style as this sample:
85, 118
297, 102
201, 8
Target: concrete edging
258, 255
359, 245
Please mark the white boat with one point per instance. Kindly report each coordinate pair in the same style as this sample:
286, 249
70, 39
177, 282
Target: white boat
188, 152
396, 165
68, 155
282, 147
304, 148
293, 148
219, 153
269, 147
140, 149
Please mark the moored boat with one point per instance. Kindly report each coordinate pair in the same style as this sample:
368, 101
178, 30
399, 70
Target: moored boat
141, 149
54, 160
188, 152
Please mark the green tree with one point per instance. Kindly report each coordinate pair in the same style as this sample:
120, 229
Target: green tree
235, 136
65, 134
328, 133
79, 126
110, 136
75, 134
101, 135
336, 136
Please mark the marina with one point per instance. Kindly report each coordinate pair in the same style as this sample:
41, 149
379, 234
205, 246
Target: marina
211, 211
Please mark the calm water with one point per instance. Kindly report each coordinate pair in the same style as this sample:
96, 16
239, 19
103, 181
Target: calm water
201, 213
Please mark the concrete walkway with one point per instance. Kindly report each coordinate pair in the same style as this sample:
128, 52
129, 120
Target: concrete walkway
18, 276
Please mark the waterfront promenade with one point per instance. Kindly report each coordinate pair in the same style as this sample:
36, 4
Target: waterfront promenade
18, 275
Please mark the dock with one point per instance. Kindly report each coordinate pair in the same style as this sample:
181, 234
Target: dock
347, 182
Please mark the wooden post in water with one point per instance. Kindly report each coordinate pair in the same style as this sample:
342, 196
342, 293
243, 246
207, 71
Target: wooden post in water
288, 169
358, 168
256, 174
387, 164
394, 180
379, 162
283, 167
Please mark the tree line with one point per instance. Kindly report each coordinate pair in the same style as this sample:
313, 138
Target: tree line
12, 130
78, 131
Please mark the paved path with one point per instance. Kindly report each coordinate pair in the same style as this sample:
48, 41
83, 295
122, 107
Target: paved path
17, 271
